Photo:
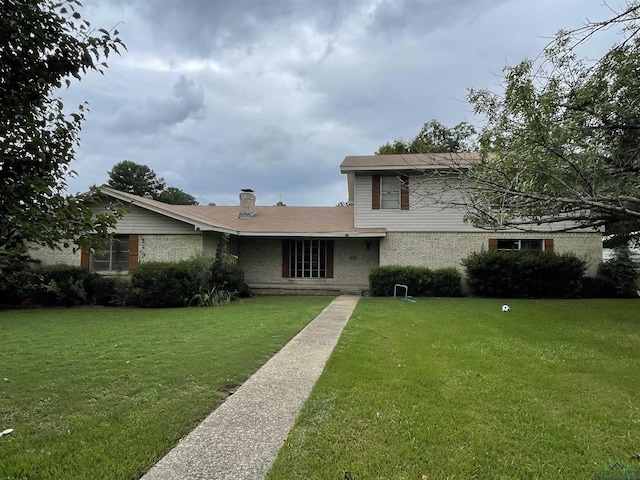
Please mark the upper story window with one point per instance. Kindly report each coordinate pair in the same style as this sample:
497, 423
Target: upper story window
390, 192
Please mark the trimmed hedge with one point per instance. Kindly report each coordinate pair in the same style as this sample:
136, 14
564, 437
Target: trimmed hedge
524, 273
421, 281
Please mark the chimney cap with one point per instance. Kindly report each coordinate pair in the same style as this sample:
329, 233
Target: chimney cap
246, 190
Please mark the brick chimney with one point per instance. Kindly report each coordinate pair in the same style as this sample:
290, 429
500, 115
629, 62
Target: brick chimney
247, 203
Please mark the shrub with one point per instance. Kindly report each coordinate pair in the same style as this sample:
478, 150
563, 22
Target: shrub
187, 282
420, 281
61, 285
524, 273
110, 290
446, 282
225, 276
169, 284
620, 273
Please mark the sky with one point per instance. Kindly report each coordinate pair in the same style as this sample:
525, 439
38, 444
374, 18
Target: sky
219, 95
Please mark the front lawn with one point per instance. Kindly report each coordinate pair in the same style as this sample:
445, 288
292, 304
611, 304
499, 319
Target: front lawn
454, 388
105, 392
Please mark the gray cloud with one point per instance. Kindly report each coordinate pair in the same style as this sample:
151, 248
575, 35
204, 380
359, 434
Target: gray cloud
146, 116
204, 27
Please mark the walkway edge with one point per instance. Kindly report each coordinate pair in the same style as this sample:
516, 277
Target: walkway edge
241, 438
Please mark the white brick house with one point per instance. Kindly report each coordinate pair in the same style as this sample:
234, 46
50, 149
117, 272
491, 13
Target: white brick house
320, 249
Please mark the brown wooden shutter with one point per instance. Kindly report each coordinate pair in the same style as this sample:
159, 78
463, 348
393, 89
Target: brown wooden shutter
548, 245
329, 266
404, 192
133, 252
375, 192
286, 247
493, 244
85, 258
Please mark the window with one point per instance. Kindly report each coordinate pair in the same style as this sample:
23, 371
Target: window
115, 257
538, 244
120, 255
390, 192
307, 258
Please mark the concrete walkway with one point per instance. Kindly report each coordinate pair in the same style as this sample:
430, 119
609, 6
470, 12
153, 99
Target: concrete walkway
241, 438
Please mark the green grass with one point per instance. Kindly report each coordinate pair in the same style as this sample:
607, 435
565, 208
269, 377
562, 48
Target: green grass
454, 388
104, 392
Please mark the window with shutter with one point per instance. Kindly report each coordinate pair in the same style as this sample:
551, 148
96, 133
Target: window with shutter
119, 255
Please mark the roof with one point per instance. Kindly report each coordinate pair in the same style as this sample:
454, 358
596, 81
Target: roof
408, 161
276, 221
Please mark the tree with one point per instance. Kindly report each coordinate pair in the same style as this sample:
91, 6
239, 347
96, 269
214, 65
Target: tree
175, 196
44, 44
435, 138
562, 142
131, 177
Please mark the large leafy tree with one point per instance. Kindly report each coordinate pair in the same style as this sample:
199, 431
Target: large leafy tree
562, 142
132, 177
44, 45
435, 137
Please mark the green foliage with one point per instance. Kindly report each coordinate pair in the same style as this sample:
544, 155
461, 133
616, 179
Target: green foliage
169, 284
211, 298
44, 44
435, 138
420, 281
225, 274
561, 143
131, 177
188, 282
110, 290
16, 275
524, 273
621, 273
61, 285
175, 196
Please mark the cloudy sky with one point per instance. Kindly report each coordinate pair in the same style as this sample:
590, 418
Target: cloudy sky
219, 95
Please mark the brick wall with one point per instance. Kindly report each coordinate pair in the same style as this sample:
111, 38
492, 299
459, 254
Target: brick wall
47, 256
439, 250
169, 248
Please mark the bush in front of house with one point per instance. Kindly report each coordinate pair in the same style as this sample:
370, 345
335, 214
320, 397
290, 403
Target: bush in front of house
110, 290
420, 281
229, 277
524, 273
617, 276
186, 282
60, 285
169, 284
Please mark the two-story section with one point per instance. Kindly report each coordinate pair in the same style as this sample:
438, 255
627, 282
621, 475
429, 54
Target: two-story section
412, 196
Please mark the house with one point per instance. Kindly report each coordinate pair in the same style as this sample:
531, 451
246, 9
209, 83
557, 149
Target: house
391, 220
